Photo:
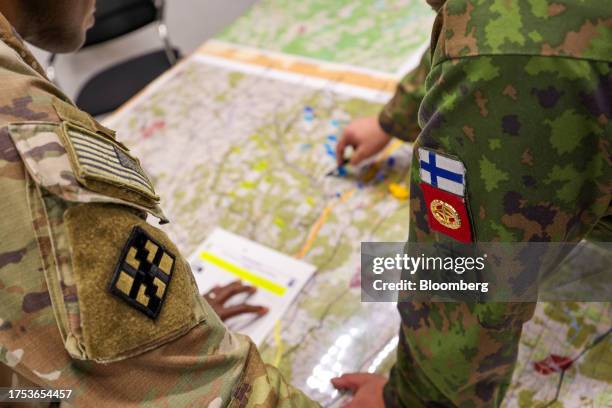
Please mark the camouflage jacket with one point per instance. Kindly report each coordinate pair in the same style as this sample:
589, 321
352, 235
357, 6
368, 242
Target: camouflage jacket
518, 96
568, 28
94, 298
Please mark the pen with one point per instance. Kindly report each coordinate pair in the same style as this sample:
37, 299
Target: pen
339, 170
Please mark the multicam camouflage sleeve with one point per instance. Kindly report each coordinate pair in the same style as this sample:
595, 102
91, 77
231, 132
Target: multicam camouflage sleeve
93, 298
399, 117
519, 103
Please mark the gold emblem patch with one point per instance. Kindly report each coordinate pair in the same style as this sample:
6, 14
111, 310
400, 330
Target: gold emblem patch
143, 273
445, 214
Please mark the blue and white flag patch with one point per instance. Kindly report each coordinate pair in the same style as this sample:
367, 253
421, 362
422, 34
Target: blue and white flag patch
442, 172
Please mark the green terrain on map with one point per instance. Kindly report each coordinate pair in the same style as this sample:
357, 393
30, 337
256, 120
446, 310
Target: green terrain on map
373, 34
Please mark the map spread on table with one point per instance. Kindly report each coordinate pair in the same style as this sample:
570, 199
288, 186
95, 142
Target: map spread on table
372, 34
241, 138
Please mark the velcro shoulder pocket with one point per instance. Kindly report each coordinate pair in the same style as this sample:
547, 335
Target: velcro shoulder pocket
83, 165
118, 286
135, 292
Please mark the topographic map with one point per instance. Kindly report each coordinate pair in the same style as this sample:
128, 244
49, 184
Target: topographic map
565, 358
250, 154
373, 34
242, 139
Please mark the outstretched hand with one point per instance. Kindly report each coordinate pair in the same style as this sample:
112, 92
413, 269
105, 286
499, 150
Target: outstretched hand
218, 296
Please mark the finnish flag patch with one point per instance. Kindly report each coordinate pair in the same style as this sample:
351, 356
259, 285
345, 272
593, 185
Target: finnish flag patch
442, 172
443, 187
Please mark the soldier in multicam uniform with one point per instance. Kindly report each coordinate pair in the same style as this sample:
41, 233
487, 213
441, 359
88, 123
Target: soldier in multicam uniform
95, 299
516, 96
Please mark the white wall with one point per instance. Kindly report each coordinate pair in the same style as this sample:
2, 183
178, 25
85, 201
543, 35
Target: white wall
190, 22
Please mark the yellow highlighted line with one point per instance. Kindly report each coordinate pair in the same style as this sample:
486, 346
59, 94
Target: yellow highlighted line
243, 274
314, 231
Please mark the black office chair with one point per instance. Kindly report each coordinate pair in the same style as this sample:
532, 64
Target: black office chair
109, 89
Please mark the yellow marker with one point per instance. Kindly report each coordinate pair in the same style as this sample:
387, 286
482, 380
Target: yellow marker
243, 274
398, 191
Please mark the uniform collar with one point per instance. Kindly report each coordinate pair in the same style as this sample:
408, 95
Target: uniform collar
10, 37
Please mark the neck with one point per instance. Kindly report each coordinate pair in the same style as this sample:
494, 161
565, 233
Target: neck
9, 10
436, 4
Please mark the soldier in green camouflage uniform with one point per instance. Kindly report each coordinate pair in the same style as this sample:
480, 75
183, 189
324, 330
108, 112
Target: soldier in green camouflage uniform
93, 298
521, 93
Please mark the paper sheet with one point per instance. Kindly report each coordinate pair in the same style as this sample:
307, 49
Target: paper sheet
225, 257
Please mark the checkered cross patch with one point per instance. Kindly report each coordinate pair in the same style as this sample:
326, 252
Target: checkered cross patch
143, 273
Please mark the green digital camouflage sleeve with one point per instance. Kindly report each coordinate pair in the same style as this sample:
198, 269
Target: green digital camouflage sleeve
534, 134
399, 116
519, 92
